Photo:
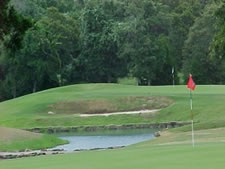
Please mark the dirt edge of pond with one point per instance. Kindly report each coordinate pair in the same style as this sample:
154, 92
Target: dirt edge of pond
59, 129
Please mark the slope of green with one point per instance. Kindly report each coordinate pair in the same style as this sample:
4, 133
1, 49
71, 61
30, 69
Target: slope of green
16, 139
43, 142
32, 110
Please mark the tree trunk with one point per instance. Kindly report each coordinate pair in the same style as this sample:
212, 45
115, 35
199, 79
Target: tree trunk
14, 91
137, 81
149, 82
109, 79
14, 82
34, 86
60, 79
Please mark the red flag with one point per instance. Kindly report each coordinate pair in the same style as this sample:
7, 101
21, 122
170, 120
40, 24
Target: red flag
191, 84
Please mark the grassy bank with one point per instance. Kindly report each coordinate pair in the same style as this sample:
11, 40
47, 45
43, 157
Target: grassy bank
32, 144
16, 140
32, 110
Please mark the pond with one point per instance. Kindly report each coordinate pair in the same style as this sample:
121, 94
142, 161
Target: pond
104, 139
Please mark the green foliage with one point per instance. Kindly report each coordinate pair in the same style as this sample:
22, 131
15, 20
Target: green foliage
142, 41
196, 49
218, 47
12, 30
182, 18
99, 48
3, 17
103, 40
59, 43
48, 49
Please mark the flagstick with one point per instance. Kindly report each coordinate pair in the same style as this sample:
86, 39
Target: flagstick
192, 120
173, 76
173, 80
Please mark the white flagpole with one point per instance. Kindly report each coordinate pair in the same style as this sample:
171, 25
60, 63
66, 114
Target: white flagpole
173, 76
192, 120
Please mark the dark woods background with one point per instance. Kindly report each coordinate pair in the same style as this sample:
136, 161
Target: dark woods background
50, 43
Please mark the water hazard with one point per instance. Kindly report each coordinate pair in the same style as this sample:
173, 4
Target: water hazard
104, 139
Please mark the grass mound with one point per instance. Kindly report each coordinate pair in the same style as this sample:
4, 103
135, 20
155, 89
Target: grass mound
10, 134
32, 110
16, 140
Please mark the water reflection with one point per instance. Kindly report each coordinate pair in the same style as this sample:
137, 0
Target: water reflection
105, 139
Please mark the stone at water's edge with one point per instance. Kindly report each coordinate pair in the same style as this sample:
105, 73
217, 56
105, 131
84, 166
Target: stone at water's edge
94, 149
12, 155
157, 134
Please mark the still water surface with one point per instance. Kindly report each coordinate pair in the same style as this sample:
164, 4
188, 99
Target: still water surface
105, 139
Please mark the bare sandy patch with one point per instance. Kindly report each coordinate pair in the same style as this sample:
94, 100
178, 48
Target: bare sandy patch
119, 113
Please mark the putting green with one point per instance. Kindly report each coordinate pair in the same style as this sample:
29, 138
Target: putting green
203, 156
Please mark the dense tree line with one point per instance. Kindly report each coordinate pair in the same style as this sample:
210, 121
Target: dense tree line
50, 43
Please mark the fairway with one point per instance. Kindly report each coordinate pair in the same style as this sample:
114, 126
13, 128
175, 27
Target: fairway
112, 84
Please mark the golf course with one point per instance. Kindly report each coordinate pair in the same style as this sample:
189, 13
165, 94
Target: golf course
112, 84
172, 150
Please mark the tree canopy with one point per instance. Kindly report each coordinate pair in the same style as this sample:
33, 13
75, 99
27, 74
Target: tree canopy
50, 43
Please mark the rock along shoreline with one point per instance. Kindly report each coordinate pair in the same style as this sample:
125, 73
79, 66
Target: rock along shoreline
162, 125
30, 153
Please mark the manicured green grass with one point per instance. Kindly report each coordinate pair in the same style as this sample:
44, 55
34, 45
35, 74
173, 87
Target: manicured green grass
32, 110
203, 156
201, 136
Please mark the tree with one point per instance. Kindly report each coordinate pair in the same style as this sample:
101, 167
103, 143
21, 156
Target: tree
99, 48
50, 47
219, 40
218, 45
182, 17
31, 9
12, 29
142, 40
12, 25
47, 49
196, 49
